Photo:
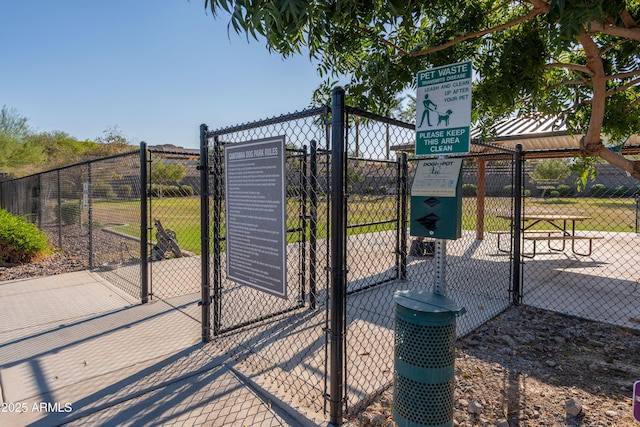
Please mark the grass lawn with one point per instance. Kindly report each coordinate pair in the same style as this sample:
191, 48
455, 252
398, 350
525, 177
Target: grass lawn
367, 214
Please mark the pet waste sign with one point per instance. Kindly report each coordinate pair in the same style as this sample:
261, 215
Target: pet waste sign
443, 110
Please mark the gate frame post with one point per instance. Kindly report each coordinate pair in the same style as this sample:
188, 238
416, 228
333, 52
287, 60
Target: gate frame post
517, 227
144, 226
205, 296
338, 258
403, 174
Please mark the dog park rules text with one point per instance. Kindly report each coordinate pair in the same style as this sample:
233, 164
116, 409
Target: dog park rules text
255, 212
443, 110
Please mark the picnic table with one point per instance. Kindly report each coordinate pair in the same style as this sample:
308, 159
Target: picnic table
562, 228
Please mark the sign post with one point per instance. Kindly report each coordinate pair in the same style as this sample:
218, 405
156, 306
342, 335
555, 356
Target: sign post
443, 110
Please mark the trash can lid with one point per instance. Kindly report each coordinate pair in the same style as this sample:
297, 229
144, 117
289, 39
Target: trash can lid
427, 302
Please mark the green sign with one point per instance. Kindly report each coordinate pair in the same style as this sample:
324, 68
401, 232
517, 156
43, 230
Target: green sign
436, 199
443, 110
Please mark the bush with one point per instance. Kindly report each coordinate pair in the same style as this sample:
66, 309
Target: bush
383, 189
553, 193
565, 190
162, 190
621, 191
70, 212
598, 190
469, 190
124, 191
186, 190
102, 190
20, 240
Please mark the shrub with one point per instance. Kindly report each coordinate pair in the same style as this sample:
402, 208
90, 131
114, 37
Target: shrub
383, 189
162, 190
186, 190
124, 191
70, 212
171, 190
598, 190
469, 190
553, 193
620, 191
20, 240
565, 190
102, 190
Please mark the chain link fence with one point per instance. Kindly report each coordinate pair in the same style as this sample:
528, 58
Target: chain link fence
587, 266
90, 210
277, 340
173, 237
163, 213
383, 257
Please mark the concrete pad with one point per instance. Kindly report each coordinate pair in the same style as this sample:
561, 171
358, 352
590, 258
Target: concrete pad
99, 358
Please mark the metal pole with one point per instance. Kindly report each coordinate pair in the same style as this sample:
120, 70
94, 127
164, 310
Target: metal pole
218, 194
39, 202
402, 217
59, 211
338, 233
204, 235
144, 232
517, 226
90, 196
313, 222
439, 282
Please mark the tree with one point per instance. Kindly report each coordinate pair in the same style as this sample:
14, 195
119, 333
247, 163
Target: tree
574, 59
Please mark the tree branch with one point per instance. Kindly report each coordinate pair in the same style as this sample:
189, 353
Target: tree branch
382, 39
591, 142
627, 19
611, 30
569, 66
529, 15
623, 87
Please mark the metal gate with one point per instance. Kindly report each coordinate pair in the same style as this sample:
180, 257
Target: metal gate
281, 340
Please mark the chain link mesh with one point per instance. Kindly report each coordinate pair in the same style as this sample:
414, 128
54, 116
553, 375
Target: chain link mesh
594, 273
89, 210
279, 340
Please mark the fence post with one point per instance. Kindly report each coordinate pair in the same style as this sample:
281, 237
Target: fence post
39, 202
338, 258
517, 226
313, 221
59, 210
403, 172
204, 233
90, 219
144, 226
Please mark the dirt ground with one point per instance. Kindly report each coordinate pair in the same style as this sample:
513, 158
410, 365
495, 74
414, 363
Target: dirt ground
531, 367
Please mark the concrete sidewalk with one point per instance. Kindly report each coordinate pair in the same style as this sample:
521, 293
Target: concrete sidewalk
76, 350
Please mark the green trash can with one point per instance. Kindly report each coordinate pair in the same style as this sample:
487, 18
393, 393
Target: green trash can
425, 337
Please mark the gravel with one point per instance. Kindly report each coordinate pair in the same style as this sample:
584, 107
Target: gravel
532, 367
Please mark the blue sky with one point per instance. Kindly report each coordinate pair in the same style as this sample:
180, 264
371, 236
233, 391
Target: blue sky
155, 69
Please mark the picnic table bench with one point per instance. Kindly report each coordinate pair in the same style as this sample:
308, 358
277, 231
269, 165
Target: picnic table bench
559, 232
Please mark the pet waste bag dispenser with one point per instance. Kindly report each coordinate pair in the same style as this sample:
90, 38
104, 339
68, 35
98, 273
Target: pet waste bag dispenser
425, 337
436, 199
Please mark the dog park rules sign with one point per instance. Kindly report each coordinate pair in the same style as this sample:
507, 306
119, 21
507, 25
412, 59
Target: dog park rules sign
443, 110
255, 206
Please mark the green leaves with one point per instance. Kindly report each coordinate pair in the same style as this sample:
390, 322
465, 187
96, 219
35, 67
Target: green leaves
527, 61
20, 240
